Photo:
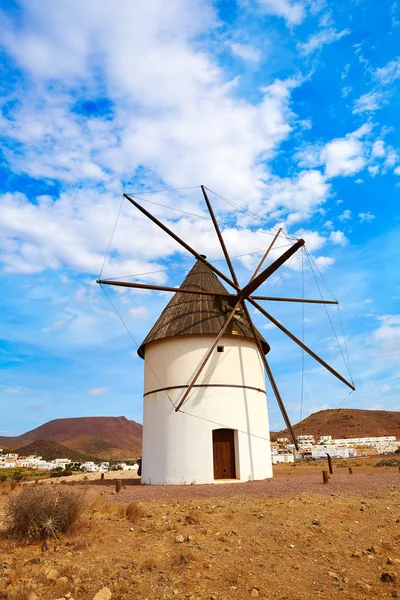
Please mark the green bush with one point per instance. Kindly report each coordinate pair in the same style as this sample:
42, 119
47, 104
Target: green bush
17, 476
43, 511
388, 462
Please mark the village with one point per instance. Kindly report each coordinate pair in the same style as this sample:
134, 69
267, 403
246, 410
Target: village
282, 451
14, 461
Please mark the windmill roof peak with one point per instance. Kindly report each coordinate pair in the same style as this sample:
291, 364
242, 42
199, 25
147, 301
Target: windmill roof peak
198, 314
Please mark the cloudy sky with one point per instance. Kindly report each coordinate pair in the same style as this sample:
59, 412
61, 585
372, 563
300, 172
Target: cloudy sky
287, 108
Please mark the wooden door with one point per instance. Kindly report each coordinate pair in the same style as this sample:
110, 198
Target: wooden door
224, 454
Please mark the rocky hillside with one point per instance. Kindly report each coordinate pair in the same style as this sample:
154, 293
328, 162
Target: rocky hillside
348, 422
114, 437
51, 450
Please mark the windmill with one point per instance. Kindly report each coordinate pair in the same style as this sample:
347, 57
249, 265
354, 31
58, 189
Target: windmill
205, 412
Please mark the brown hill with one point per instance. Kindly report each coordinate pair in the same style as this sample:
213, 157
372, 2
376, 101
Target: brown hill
101, 436
51, 450
348, 422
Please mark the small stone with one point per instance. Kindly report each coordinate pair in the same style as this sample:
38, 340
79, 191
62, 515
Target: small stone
356, 554
254, 593
388, 577
103, 594
33, 561
52, 575
180, 539
315, 522
62, 580
364, 586
393, 561
291, 546
32, 596
333, 575
183, 560
131, 529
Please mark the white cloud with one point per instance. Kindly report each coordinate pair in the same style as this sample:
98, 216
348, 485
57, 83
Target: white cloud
389, 73
320, 39
338, 237
246, 52
380, 94
138, 313
366, 217
397, 170
387, 337
373, 170
293, 12
98, 391
369, 102
343, 156
324, 262
345, 216
378, 149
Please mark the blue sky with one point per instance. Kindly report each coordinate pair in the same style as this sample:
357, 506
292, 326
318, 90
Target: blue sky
288, 108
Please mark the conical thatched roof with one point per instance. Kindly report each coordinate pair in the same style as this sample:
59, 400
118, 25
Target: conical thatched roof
192, 314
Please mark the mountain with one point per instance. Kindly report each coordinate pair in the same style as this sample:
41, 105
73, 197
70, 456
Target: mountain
104, 437
348, 422
51, 450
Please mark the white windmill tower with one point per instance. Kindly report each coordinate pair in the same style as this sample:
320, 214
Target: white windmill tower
205, 410
221, 431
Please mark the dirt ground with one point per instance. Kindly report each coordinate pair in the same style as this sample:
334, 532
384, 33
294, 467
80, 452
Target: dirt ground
289, 538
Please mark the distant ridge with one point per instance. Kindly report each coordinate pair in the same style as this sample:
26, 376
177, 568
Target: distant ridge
51, 450
103, 437
348, 422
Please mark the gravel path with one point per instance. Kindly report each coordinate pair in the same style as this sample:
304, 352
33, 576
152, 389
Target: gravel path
281, 484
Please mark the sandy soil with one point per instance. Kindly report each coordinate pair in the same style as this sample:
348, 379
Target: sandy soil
290, 538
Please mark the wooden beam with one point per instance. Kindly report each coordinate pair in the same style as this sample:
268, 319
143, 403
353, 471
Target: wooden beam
257, 281
276, 299
162, 288
181, 242
300, 343
219, 234
270, 377
207, 356
260, 264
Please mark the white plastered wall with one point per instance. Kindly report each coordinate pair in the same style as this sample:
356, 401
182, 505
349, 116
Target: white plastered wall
177, 447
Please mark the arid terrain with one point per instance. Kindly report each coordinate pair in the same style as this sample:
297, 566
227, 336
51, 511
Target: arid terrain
290, 538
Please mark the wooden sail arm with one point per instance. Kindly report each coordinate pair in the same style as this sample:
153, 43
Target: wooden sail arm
260, 264
181, 242
208, 355
305, 300
219, 235
257, 281
162, 288
270, 377
301, 344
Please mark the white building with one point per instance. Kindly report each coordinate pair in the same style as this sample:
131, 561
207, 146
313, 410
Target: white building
282, 458
333, 451
222, 430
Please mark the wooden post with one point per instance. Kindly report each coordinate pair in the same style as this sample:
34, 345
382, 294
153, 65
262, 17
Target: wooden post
350, 470
118, 486
330, 464
102, 476
325, 477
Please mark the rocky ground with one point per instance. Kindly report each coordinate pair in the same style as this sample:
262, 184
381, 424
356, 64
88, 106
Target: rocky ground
290, 538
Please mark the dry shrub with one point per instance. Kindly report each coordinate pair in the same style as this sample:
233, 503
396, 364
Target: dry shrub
134, 511
40, 512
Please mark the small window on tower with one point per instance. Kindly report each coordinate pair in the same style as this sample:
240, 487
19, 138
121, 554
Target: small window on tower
220, 348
